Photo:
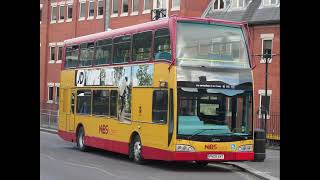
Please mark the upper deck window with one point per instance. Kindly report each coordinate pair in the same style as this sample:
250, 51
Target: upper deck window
162, 48
72, 54
200, 44
86, 54
141, 46
103, 51
121, 50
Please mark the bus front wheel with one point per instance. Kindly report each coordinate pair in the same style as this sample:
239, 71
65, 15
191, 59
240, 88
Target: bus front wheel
136, 150
80, 139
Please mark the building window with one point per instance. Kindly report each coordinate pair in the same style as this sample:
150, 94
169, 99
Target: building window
84, 102
175, 5
100, 104
57, 93
115, 7
72, 54
142, 46
113, 103
135, 7
61, 13
50, 93
59, 54
266, 44
82, 12
147, 5
270, 2
218, 4
52, 54
124, 7
86, 54
103, 51
238, 3
121, 49
91, 10
100, 9
160, 106
69, 12
161, 4
53, 14
264, 99
162, 48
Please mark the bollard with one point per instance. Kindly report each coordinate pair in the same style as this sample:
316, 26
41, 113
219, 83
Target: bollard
259, 145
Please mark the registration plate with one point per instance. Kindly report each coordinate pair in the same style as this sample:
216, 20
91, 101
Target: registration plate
215, 156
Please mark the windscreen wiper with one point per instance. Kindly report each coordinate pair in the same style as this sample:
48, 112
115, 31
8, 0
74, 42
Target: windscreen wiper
202, 130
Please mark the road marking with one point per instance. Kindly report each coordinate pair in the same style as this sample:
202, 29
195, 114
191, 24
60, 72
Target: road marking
47, 133
92, 167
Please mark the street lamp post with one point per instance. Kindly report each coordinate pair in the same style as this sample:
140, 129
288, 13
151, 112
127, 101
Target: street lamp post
266, 57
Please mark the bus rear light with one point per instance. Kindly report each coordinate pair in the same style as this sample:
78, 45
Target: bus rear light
184, 148
245, 148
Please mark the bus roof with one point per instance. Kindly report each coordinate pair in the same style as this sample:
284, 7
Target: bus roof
143, 27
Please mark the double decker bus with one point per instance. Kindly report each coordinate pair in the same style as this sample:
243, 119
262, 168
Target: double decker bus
175, 89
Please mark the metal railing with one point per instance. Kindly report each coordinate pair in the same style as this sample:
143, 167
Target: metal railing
48, 119
273, 126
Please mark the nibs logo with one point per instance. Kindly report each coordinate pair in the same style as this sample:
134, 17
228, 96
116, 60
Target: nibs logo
210, 146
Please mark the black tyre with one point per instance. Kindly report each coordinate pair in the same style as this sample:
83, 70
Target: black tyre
202, 163
80, 139
136, 150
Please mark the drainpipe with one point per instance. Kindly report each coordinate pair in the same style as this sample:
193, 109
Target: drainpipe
107, 15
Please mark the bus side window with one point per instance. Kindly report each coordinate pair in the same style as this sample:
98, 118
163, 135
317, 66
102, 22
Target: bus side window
141, 47
86, 54
103, 52
71, 59
113, 103
160, 106
121, 49
162, 47
84, 102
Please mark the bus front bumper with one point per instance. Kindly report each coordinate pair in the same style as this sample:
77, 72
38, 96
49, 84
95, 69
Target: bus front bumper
213, 156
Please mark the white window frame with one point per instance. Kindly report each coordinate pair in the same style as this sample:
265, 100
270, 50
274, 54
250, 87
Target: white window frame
261, 93
85, 3
59, 44
167, 5
69, 3
266, 37
219, 5
262, 5
51, 45
90, 17
52, 6
56, 100
146, 11
50, 85
103, 5
134, 13
114, 14
238, 7
175, 8
41, 7
62, 3
124, 13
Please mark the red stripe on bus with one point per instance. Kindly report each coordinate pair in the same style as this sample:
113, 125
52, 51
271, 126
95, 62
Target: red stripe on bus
155, 153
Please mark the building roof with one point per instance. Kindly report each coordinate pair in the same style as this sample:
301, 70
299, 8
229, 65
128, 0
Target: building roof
253, 13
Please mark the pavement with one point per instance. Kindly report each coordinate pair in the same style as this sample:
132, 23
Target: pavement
268, 170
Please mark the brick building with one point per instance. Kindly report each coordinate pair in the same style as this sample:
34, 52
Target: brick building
263, 17
65, 19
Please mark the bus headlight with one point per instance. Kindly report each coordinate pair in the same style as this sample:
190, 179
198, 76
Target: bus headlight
184, 148
245, 148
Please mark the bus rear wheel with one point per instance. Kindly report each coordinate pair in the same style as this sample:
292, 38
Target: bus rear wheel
80, 139
136, 152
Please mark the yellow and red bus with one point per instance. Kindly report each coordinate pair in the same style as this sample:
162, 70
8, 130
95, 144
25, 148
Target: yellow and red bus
175, 89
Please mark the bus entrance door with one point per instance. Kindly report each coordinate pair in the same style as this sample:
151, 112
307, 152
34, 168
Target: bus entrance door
70, 116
